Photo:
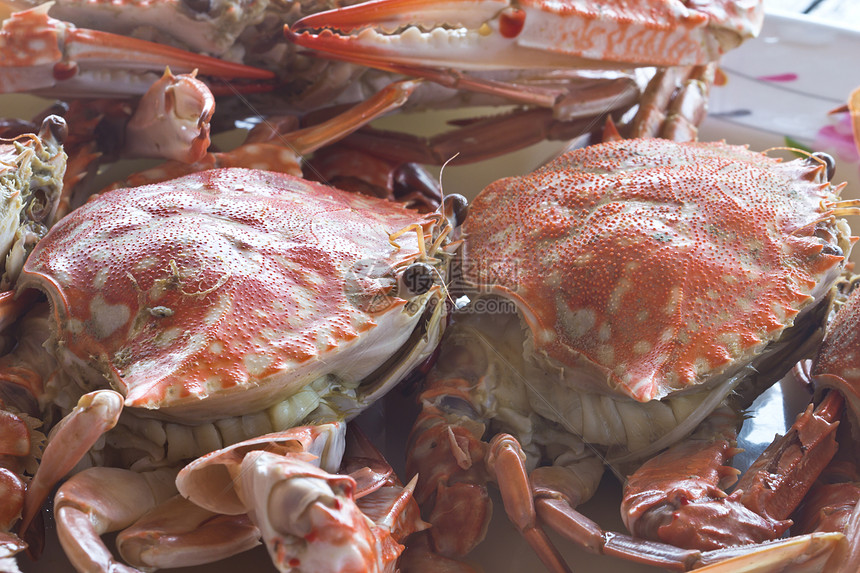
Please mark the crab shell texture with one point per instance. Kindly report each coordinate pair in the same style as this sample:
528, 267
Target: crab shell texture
644, 267
222, 292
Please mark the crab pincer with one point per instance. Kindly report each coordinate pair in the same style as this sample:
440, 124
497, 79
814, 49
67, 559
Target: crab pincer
812, 468
480, 34
447, 41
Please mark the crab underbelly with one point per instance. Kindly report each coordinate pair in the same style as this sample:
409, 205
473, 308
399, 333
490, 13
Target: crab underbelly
615, 423
631, 429
142, 442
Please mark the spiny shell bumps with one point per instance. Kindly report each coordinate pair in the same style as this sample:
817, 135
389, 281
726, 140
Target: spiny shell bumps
234, 285
651, 266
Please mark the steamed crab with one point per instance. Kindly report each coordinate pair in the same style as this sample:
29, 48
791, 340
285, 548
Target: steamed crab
576, 76
624, 296
199, 312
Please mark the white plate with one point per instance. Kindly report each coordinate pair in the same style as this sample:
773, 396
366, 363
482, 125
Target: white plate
778, 87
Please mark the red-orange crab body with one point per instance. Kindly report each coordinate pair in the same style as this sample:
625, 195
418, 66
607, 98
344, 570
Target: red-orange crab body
653, 283
644, 267
229, 292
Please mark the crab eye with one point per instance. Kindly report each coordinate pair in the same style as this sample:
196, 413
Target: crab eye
55, 126
455, 208
831, 249
418, 278
829, 163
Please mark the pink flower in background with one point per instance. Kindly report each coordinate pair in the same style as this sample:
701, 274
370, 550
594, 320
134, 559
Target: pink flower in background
838, 137
787, 77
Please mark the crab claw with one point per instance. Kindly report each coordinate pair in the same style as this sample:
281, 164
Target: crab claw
95, 414
499, 34
307, 516
209, 481
43, 55
172, 120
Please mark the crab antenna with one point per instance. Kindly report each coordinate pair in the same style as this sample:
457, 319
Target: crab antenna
441, 173
796, 150
844, 208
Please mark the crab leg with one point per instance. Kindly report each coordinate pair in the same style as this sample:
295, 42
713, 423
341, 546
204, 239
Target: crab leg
43, 55
18, 434
353, 169
660, 501
711, 520
484, 34
15, 446
832, 505
269, 148
68, 442
388, 503
100, 500
447, 454
21, 442
477, 140
835, 369
178, 533
455, 465
672, 106
379, 493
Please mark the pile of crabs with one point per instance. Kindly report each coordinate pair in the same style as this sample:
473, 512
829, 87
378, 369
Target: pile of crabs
183, 350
